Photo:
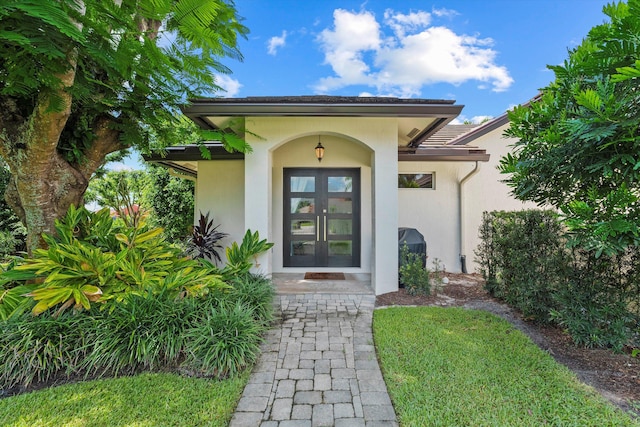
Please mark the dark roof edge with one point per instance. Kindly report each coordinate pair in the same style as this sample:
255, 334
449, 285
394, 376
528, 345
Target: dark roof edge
179, 168
481, 130
184, 153
320, 100
445, 154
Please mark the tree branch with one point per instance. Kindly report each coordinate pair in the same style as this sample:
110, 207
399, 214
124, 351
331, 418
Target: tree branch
107, 141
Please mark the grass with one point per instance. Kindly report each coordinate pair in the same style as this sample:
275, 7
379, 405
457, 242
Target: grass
140, 401
456, 367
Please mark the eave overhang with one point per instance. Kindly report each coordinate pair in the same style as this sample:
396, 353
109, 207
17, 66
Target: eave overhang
183, 159
437, 154
418, 118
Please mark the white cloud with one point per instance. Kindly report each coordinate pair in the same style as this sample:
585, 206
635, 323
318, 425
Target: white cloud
230, 85
462, 119
417, 54
354, 34
444, 12
119, 167
400, 23
276, 42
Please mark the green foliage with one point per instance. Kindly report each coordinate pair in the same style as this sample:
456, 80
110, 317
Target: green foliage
12, 233
35, 349
121, 191
95, 259
240, 257
525, 260
165, 201
522, 258
144, 332
214, 335
223, 340
578, 143
171, 201
460, 367
253, 291
123, 73
204, 241
413, 274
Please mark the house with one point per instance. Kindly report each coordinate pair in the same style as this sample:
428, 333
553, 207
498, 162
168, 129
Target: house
322, 181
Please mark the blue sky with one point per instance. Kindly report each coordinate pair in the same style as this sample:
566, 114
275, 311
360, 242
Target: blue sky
486, 54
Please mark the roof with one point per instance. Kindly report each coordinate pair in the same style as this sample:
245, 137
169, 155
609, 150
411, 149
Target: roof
418, 118
448, 133
481, 130
423, 130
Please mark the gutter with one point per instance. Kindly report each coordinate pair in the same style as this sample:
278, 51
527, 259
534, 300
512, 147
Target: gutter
463, 256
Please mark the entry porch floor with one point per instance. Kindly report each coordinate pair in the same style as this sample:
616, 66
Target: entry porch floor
295, 283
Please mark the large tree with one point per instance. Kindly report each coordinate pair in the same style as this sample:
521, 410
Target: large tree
80, 79
578, 145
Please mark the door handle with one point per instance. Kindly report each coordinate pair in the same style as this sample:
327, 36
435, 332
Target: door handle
318, 228
325, 228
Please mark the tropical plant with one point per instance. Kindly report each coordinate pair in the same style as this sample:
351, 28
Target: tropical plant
95, 259
240, 257
82, 79
204, 241
578, 142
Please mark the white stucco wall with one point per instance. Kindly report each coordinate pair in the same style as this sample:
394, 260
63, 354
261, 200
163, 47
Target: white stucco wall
436, 213
220, 191
348, 142
485, 192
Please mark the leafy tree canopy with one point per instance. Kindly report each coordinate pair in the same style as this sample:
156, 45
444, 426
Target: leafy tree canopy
578, 145
80, 79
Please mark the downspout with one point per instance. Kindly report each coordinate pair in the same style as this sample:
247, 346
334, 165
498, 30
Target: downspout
463, 256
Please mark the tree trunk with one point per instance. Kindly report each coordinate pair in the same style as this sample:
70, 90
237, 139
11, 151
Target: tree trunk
40, 196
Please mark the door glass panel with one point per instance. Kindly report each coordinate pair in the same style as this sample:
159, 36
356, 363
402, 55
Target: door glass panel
340, 184
340, 247
300, 227
303, 248
340, 205
339, 226
303, 184
303, 205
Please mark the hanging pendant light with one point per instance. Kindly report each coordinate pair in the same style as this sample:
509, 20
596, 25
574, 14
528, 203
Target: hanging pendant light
319, 150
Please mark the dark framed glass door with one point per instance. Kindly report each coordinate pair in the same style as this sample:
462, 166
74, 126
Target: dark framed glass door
321, 217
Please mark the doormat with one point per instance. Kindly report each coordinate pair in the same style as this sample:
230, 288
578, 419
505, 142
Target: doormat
324, 276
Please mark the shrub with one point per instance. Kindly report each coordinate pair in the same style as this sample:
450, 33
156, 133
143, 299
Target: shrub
223, 340
413, 274
204, 241
94, 259
35, 349
525, 260
254, 291
522, 259
144, 332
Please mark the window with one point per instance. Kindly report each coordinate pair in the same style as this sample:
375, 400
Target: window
416, 180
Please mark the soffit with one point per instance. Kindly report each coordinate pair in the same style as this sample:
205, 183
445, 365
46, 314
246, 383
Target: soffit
418, 119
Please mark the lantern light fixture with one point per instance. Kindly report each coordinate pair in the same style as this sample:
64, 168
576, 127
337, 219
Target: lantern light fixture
319, 150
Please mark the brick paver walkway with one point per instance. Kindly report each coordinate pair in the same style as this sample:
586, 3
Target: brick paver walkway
318, 367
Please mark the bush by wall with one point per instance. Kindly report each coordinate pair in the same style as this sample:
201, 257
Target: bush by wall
526, 262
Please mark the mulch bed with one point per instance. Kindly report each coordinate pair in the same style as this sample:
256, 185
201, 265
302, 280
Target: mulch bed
615, 376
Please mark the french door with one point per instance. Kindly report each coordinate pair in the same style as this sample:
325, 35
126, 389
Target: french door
321, 217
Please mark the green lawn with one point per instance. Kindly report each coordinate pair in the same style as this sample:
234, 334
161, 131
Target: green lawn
140, 401
456, 367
